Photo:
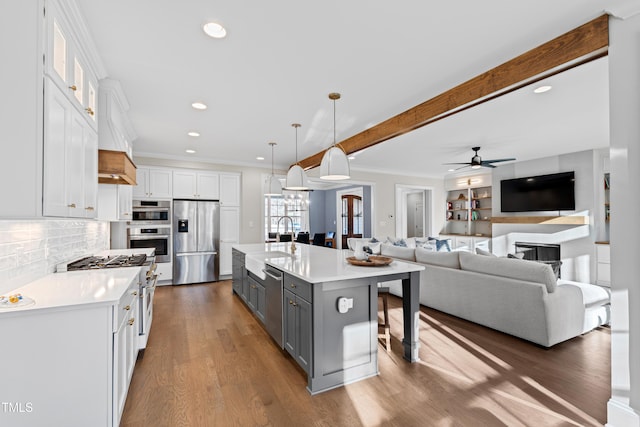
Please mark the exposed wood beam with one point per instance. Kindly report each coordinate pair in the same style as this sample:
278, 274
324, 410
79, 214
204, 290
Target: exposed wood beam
582, 44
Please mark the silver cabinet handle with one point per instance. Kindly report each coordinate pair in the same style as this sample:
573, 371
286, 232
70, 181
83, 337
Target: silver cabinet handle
268, 273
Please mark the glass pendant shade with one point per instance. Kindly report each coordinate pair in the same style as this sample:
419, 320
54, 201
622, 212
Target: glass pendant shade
272, 186
297, 179
334, 165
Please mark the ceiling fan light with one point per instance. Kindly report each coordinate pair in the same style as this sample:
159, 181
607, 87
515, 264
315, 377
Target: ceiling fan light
297, 179
475, 166
272, 186
334, 165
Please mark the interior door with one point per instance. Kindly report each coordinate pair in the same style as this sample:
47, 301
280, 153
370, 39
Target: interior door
352, 217
419, 219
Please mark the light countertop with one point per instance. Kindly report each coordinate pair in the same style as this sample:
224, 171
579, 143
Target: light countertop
75, 288
317, 264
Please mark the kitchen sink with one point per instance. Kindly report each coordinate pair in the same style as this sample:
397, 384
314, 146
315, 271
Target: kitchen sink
255, 262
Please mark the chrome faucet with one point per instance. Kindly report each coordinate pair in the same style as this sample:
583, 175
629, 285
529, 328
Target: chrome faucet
293, 243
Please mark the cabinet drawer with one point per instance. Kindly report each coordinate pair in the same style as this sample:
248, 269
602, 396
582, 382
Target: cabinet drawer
125, 307
298, 287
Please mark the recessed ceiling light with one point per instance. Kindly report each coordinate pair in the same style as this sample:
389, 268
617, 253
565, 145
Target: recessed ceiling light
259, 158
351, 157
199, 105
194, 134
451, 170
215, 30
542, 89
190, 151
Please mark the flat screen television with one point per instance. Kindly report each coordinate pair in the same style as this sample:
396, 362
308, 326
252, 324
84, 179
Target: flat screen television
554, 192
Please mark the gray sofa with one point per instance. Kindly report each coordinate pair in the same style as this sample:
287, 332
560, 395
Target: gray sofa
520, 298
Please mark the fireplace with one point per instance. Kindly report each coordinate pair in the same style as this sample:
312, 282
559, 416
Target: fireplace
542, 252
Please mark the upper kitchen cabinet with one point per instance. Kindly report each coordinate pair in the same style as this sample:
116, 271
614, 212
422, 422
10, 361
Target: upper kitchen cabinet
229, 189
64, 160
196, 185
70, 159
67, 53
153, 183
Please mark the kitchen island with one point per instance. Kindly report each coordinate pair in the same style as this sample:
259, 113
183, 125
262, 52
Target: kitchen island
329, 307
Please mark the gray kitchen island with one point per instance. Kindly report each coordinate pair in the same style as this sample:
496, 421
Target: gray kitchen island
322, 310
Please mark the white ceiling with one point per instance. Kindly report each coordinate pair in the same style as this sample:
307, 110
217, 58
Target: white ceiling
281, 59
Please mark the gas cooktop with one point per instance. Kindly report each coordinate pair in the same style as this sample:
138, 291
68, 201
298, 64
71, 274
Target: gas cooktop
97, 262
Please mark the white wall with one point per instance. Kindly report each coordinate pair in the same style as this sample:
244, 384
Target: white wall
577, 242
252, 190
623, 408
30, 249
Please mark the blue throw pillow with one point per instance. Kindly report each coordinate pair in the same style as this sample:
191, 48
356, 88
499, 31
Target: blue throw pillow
374, 240
441, 244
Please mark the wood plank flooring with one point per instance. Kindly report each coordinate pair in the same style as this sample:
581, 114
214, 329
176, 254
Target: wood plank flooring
210, 363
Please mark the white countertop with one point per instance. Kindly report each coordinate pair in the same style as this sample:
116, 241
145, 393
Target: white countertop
316, 264
75, 288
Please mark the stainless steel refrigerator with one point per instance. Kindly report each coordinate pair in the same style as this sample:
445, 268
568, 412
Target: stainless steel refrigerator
196, 241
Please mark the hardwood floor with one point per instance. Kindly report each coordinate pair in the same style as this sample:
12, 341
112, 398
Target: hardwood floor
210, 363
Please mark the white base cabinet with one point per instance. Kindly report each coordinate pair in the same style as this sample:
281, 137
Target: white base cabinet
69, 366
603, 265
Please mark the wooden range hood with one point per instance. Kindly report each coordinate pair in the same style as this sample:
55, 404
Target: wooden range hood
115, 167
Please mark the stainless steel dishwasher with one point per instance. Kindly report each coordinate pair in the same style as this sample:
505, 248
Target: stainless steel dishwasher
273, 302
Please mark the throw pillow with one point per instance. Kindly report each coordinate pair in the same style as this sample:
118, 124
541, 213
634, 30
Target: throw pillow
441, 244
483, 252
517, 255
374, 240
397, 242
426, 244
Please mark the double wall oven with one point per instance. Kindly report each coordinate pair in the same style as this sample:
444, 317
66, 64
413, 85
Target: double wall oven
150, 227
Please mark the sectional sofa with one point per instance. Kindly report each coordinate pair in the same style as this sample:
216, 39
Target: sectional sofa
517, 297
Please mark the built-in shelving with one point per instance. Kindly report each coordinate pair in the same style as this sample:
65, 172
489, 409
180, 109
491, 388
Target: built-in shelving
469, 211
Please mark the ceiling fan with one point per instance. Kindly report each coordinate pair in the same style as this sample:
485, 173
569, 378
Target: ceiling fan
477, 162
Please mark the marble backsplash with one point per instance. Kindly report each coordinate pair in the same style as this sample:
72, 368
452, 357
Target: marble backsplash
30, 249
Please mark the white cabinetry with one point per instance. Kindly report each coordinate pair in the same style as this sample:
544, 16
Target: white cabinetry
73, 363
67, 64
603, 260
115, 202
196, 185
125, 348
70, 159
229, 235
153, 183
229, 189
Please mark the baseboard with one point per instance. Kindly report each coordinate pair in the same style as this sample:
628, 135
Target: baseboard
621, 415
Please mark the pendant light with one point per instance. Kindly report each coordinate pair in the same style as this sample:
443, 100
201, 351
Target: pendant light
272, 186
296, 177
335, 164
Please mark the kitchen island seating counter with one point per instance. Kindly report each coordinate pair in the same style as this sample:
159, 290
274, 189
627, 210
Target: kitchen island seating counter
318, 264
329, 307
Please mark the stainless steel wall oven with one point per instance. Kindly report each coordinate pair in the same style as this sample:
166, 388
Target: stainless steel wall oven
151, 212
158, 238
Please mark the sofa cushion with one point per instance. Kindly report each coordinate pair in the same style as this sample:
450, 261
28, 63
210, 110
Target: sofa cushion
399, 252
483, 252
529, 271
441, 259
592, 295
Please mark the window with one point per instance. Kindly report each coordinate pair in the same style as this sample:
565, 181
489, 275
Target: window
295, 206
